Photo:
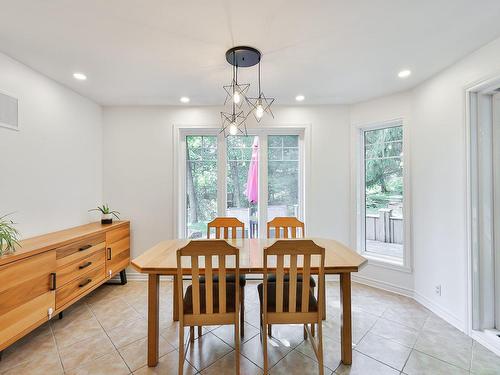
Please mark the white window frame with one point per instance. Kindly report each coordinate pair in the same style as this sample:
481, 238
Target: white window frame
179, 167
358, 131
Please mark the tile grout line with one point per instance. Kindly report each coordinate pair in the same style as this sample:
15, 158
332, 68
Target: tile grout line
415, 343
57, 346
112, 343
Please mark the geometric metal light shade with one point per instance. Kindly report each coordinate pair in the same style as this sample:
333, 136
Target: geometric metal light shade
233, 123
236, 93
260, 106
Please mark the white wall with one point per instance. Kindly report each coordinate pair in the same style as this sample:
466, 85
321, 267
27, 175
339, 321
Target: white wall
435, 114
439, 182
138, 170
380, 110
50, 170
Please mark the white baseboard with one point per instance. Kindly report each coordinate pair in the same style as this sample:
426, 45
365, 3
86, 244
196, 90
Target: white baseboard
442, 313
487, 340
383, 285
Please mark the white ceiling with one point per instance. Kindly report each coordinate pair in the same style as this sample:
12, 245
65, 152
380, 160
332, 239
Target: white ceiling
138, 52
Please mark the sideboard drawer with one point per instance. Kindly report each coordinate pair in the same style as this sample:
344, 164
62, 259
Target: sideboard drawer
79, 285
81, 267
79, 250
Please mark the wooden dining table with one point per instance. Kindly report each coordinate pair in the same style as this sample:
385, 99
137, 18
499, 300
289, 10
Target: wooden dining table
161, 260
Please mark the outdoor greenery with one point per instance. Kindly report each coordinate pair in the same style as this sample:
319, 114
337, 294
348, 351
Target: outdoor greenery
201, 182
201, 176
9, 235
383, 167
283, 172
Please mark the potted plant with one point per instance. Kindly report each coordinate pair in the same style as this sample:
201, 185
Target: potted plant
106, 214
9, 236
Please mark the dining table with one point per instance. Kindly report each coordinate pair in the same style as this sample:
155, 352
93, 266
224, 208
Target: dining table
161, 260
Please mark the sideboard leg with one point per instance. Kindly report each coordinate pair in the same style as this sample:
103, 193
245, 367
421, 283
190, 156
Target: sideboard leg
123, 277
1, 353
61, 315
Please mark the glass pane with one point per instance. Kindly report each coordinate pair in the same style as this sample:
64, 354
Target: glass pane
384, 191
243, 181
201, 184
283, 176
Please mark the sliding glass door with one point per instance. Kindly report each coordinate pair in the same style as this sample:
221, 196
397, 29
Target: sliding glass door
242, 182
253, 178
201, 184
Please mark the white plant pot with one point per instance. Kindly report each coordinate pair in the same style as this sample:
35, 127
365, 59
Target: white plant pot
106, 218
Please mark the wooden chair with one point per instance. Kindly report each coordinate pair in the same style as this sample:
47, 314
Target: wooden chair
287, 227
293, 302
224, 225
227, 227
208, 303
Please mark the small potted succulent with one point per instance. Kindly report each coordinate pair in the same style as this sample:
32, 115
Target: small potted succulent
106, 214
9, 236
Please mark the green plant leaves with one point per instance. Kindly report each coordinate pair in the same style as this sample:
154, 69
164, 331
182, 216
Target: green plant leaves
9, 235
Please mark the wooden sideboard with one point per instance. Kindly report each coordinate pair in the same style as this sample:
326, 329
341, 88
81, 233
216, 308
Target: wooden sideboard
49, 273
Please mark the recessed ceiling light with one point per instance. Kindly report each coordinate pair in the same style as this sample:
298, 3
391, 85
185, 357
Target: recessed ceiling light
300, 98
404, 73
80, 76
184, 99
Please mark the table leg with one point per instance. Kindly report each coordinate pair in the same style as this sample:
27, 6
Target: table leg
324, 297
153, 319
175, 303
345, 307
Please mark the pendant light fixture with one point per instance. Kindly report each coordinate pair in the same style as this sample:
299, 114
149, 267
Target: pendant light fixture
261, 104
234, 121
235, 92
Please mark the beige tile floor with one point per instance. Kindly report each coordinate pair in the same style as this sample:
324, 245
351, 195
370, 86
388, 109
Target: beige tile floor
105, 333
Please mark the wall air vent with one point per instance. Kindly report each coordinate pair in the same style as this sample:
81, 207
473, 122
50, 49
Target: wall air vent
9, 111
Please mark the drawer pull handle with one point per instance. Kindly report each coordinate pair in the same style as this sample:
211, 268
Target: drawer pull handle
85, 265
109, 253
53, 281
85, 283
86, 247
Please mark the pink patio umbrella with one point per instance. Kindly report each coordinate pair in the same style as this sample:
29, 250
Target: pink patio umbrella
252, 191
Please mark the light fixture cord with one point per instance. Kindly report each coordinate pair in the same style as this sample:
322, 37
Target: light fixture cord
235, 80
259, 80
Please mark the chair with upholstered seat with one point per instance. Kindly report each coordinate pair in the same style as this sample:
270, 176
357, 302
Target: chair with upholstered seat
287, 227
292, 302
228, 228
207, 303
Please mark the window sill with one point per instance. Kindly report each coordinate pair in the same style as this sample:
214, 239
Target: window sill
392, 263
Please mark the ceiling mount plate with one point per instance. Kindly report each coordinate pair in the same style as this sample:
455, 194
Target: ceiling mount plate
243, 56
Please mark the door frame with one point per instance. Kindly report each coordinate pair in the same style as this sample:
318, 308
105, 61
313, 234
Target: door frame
179, 177
475, 100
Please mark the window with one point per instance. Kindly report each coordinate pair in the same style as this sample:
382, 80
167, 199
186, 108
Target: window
283, 170
201, 184
254, 178
382, 193
243, 181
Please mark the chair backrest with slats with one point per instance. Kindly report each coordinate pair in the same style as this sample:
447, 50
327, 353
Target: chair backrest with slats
226, 227
202, 254
289, 226
294, 257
